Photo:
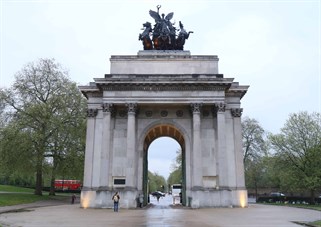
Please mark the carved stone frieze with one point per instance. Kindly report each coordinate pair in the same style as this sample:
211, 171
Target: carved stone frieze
179, 113
148, 113
162, 87
164, 113
92, 112
236, 112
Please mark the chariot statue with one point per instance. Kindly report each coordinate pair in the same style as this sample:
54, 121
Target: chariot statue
164, 35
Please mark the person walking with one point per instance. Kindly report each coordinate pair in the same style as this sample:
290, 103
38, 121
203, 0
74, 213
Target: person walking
116, 199
73, 199
141, 200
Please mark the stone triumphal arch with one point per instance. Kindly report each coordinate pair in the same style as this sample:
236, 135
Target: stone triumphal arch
164, 93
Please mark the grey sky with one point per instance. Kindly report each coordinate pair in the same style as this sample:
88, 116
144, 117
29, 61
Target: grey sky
273, 46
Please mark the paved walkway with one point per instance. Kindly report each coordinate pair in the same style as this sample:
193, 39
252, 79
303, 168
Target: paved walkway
160, 214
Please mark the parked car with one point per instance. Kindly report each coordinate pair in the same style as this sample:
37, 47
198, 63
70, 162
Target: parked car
276, 194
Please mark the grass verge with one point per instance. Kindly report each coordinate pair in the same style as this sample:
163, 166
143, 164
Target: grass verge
9, 188
316, 223
11, 195
9, 199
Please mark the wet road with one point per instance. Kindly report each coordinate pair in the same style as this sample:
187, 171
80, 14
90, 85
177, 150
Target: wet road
163, 213
160, 214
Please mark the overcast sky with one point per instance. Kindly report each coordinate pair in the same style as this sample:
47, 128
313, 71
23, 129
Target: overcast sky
273, 46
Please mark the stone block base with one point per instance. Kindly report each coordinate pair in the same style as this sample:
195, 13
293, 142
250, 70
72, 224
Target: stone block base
103, 199
217, 198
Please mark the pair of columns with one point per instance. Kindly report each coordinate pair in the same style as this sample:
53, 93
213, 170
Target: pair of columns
223, 158
100, 166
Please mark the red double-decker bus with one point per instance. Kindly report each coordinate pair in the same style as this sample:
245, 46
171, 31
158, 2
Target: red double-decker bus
67, 185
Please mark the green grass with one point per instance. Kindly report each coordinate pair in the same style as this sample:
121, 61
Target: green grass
316, 223
9, 188
17, 195
9, 199
304, 206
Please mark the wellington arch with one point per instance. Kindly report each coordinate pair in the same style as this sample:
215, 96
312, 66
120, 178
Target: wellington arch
164, 90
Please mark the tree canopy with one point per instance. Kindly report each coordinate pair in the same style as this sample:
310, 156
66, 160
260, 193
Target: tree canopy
298, 150
255, 150
47, 110
175, 176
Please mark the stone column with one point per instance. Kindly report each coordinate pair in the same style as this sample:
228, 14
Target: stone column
240, 181
90, 138
131, 146
197, 148
105, 153
221, 145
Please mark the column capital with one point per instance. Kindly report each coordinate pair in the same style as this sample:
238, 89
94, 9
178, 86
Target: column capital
92, 112
236, 112
196, 107
107, 107
220, 107
131, 108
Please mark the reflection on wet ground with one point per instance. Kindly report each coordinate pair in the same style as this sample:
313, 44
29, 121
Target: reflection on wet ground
162, 203
161, 213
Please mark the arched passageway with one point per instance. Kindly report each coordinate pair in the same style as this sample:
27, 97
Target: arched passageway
163, 130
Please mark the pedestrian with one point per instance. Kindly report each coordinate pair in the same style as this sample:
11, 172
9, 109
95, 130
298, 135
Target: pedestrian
116, 199
141, 200
157, 196
73, 199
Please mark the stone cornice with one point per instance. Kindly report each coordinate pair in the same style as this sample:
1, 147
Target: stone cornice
163, 87
166, 55
166, 82
163, 83
237, 91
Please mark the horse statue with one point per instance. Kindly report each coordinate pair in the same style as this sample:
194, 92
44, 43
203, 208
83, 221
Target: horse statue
147, 42
182, 36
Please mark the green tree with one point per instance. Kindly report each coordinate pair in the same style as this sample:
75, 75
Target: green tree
254, 140
175, 177
255, 149
298, 151
156, 182
16, 154
46, 105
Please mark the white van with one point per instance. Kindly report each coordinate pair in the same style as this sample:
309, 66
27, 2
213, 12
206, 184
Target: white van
176, 192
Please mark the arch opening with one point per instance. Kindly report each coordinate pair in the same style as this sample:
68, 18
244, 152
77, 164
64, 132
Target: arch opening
164, 131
